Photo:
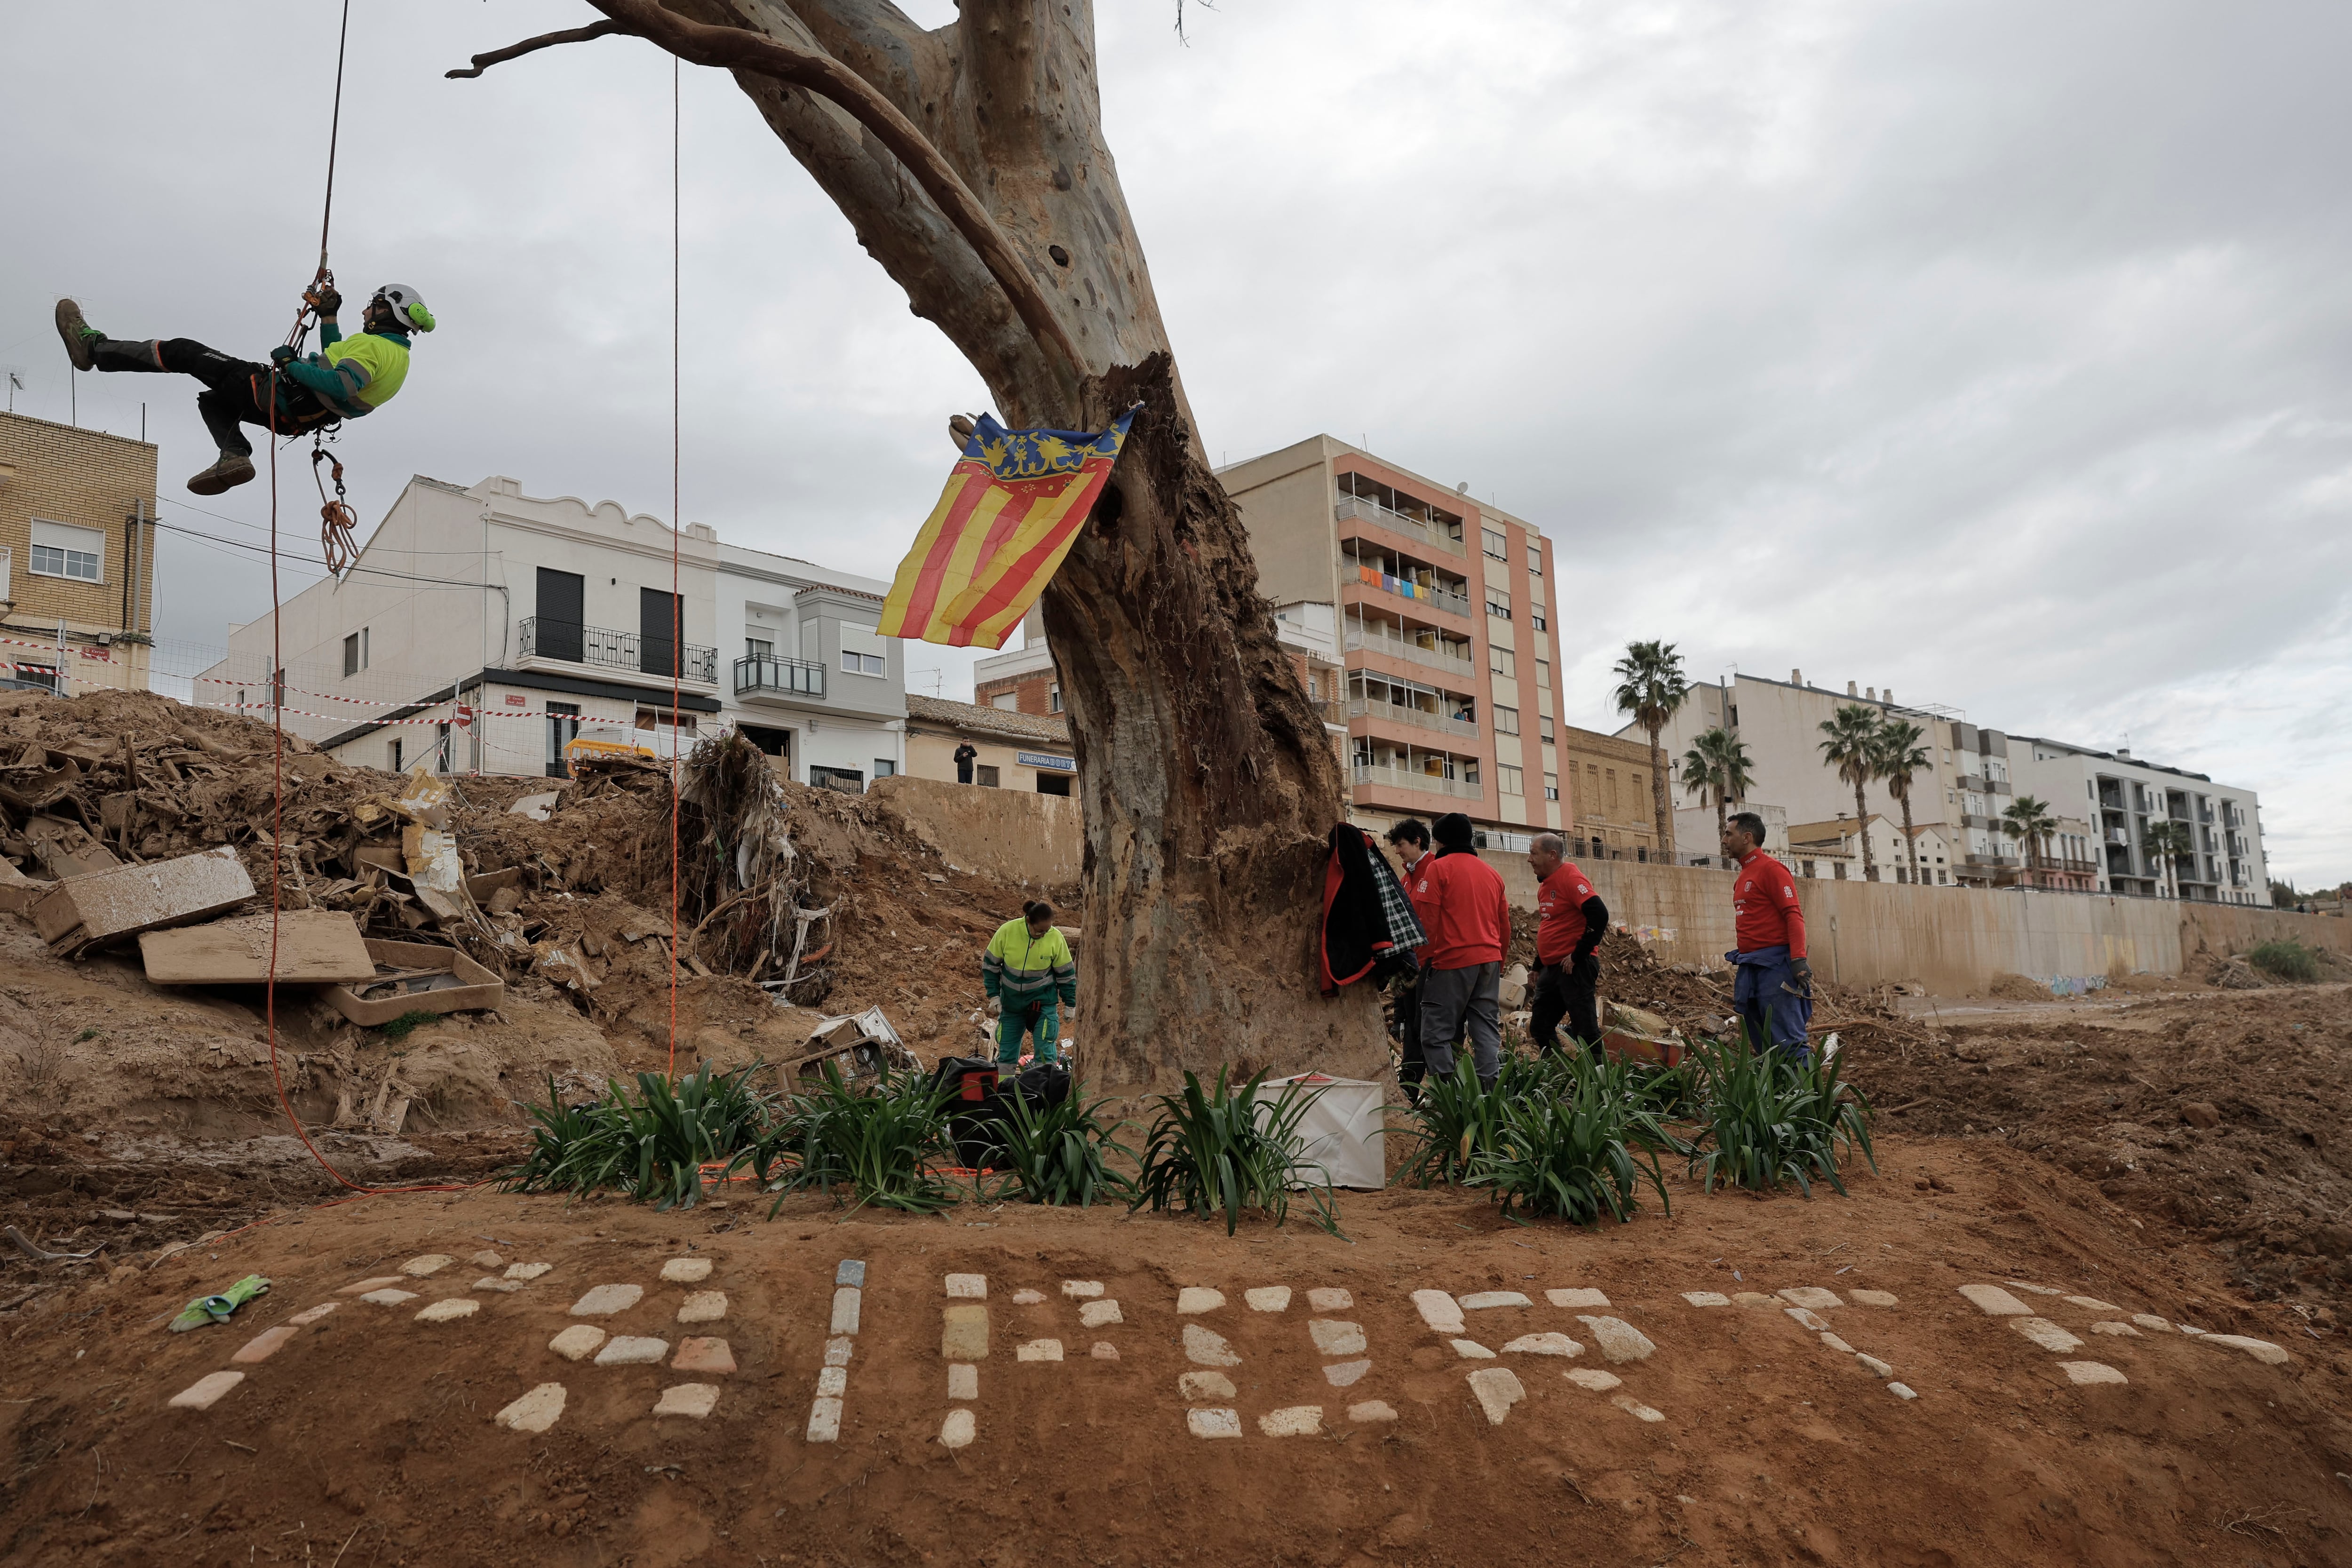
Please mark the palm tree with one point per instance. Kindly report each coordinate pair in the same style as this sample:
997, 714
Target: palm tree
1651, 686
1900, 757
1852, 750
2029, 820
2166, 842
1718, 763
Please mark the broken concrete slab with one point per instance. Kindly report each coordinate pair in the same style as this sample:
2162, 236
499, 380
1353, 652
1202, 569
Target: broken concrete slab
1345, 1374
1544, 1344
314, 947
206, 1391
2261, 1350
534, 1411
107, 907
1994, 1301
2090, 1371
1100, 1314
1204, 1348
1194, 1386
968, 1287
1267, 1298
1618, 1340
66, 848
603, 1301
2046, 1334
1293, 1421
706, 1356
1812, 1297
692, 1400
18, 892
1213, 1423
1329, 1299
1482, 1300
1199, 1298
1593, 1378
1579, 1296
1498, 1389
964, 1332
1439, 1310
1334, 1337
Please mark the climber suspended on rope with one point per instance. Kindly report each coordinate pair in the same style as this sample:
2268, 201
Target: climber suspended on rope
348, 378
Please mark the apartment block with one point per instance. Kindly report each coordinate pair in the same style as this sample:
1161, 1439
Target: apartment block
2120, 797
483, 630
77, 556
1614, 815
1023, 680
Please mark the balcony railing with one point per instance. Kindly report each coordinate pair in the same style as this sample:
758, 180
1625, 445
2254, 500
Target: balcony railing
1365, 508
792, 676
1438, 657
1430, 783
1444, 599
610, 649
1444, 724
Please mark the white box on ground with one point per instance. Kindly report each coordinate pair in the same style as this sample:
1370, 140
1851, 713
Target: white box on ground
1339, 1131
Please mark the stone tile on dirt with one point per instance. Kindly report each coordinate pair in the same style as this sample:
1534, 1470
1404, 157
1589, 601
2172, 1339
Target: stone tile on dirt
1498, 1389
1806, 1317
1213, 1423
692, 1400
1618, 1340
1994, 1301
1578, 1296
837, 1352
1292, 1421
967, 1287
308, 1315
1837, 1344
850, 1271
1544, 1344
1198, 1385
578, 1343
1267, 1298
1439, 1310
1900, 1391
964, 1380
1706, 1298
2151, 1323
2086, 1372
2046, 1334
832, 1382
1873, 1297
1471, 1350
2092, 1304
703, 1307
492, 1282
1198, 1299
448, 1309
1371, 1410
632, 1350
1345, 1374
535, 1411
527, 1270
2030, 1289
389, 1297
1204, 1348
2118, 1329
606, 1299
1104, 1350
965, 1334
1329, 1299
1082, 1289
486, 1259
686, 1271
429, 1263
362, 1286
1099, 1314
2261, 1350
206, 1391
1335, 1337
1481, 1301
845, 1302
1634, 1407
1038, 1350
264, 1345
712, 1355
1873, 1366
1811, 1297
1593, 1378
1756, 1299
1028, 1297
959, 1430
824, 1421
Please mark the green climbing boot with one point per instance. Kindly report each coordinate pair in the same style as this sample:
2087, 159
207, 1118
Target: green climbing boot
81, 338
233, 469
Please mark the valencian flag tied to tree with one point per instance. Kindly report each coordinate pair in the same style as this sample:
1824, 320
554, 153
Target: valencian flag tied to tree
1014, 503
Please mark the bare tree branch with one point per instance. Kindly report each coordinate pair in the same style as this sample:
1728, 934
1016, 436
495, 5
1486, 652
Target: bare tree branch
532, 46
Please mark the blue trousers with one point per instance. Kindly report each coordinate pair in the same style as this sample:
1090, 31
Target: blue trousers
1774, 1016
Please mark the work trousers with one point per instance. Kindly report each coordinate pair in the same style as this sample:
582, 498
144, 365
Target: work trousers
1411, 1070
226, 402
1561, 992
1454, 998
1041, 1019
1773, 1015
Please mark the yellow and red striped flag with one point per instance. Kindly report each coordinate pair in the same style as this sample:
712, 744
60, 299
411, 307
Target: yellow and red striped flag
1013, 503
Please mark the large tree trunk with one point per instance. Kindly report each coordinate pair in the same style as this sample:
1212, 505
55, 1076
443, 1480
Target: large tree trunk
1209, 782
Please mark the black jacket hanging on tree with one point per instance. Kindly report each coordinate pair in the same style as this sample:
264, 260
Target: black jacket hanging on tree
1368, 926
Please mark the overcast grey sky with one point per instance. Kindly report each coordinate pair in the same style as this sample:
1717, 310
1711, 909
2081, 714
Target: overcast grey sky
1997, 352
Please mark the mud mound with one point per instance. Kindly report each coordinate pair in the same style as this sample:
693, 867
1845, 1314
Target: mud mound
2017, 988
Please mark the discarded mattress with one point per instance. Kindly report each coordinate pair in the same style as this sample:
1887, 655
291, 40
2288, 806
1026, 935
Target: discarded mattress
417, 977
315, 947
104, 907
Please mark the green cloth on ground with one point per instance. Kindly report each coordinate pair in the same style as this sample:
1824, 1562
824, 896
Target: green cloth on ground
218, 1309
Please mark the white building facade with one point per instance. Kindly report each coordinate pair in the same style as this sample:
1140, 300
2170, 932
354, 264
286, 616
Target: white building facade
2121, 797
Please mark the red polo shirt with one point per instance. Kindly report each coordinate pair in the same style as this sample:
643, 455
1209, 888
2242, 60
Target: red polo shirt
1559, 913
1462, 907
1764, 904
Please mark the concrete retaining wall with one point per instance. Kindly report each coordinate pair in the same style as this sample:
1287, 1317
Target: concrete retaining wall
1011, 834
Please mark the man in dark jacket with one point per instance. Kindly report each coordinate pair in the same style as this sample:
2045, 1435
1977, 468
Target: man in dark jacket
965, 755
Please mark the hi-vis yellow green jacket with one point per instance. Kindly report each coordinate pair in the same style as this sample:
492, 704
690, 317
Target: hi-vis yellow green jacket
1021, 969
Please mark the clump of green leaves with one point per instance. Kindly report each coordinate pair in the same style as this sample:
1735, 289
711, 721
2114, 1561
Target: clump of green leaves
400, 1028
651, 1145
1225, 1149
1056, 1153
880, 1145
1454, 1120
2285, 959
1576, 1148
1771, 1118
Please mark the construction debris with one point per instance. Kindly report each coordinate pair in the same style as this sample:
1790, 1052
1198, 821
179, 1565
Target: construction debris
105, 907
314, 947
859, 1044
416, 977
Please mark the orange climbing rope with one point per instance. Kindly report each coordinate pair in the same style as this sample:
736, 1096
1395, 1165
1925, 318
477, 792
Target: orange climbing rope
676, 606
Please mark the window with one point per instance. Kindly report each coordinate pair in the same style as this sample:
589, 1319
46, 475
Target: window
1544, 726
1809, 868
759, 647
856, 663
442, 761
1840, 869
1497, 545
1498, 601
355, 652
1551, 786
1542, 621
59, 551
392, 752
848, 781
1611, 776
984, 775
562, 729
1506, 720
1005, 701
1511, 779
1502, 660
885, 768
1053, 700
1535, 560
1543, 674
861, 654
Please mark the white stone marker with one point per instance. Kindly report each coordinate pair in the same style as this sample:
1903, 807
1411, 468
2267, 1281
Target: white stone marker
703, 1307
1293, 1421
1439, 1310
2091, 1372
527, 1272
1873, 1297
1198, 1299
1544, 1344
1812, 1297
1038, 1350
1345, 1374
1900, 1392
959, 1430
2151, 1323
535, 1411
837, 1352
2118, 1329
1268, 1297
1213, 1423
492, 1282
844, 1309
832, 1382
2092, 1304
448, 1309
632, 1350
2046, 1334
1634, 1407
1498, 1388
1580, 1296
431, 1263
1198, 1385
1329, 1299
1099, 1314
1618, 1339
2031, 1289
1875, 1367
578, 1343
968, 1287
1333, 1337
1202, 1348
1371, 1410
1471, 1350
389, 1297
1481, 1301
1593, 1378
1706, 1298
1994, 1301
1082, 1289
1837, 1344
824, 1421
964, 1380
693, 1400
1807, 1318
2261, 1350
686, 1271
605, 1300
206, 1391
1028, 1297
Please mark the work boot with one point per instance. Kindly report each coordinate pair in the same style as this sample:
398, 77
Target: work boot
233, 469
80, 337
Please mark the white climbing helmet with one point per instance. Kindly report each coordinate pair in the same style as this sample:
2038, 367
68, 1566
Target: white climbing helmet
407, 306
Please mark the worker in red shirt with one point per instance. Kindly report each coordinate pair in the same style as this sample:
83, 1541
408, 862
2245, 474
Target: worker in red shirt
1409, 840
1773, 991
1462, 907
1571, 921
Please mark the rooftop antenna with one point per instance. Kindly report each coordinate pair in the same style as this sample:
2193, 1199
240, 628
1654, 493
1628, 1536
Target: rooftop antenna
16, 385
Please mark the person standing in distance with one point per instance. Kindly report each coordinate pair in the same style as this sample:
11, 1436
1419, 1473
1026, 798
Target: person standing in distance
966, 756
1773, 991
1570, 921
1462, 907
1410, 840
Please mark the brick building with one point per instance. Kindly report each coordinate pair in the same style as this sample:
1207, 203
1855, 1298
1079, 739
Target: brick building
1615, 817
76, 555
